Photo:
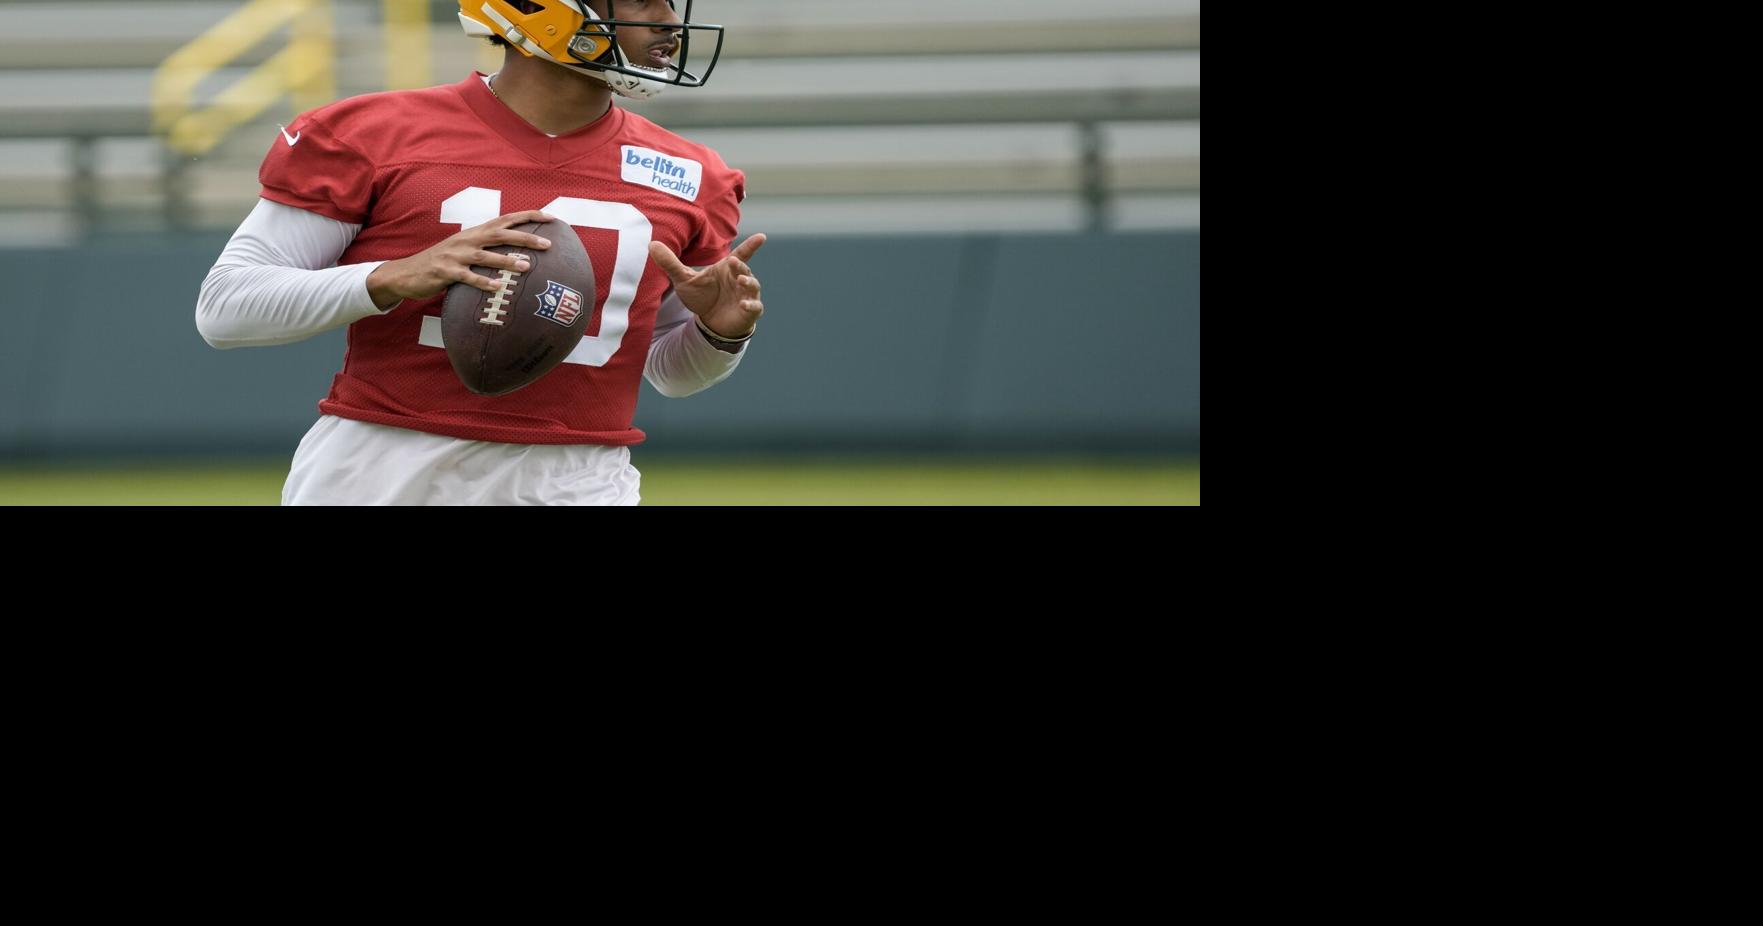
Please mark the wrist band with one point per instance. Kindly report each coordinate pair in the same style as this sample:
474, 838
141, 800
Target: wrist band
719, 338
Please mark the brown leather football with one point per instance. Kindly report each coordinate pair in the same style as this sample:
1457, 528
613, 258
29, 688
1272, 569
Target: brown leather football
499, 342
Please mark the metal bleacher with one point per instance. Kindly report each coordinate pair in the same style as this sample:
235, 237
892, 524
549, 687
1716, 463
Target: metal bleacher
847, 115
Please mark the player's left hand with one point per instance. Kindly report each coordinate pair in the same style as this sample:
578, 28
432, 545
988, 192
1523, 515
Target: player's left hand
724, 295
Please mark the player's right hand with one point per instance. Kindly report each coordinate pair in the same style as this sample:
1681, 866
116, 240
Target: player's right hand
420, 276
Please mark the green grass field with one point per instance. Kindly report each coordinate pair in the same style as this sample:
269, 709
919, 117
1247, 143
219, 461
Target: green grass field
693, 482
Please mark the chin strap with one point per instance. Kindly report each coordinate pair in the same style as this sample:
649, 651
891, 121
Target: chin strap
625, 85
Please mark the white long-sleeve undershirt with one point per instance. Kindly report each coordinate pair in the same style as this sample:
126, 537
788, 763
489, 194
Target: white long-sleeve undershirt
277, 282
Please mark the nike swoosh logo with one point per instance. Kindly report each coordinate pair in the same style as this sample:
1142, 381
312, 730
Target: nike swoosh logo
291, 140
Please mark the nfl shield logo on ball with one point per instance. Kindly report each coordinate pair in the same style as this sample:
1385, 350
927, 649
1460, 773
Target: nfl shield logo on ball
560, 304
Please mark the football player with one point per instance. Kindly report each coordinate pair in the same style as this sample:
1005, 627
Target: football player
373, 206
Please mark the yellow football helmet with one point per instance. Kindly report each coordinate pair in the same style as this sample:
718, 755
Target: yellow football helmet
569, 33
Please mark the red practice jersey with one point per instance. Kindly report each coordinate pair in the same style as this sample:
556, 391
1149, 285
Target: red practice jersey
415, 167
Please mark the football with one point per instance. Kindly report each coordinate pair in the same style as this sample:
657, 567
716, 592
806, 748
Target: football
499, 342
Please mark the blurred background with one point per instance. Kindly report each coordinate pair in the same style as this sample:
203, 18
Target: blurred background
982, 280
